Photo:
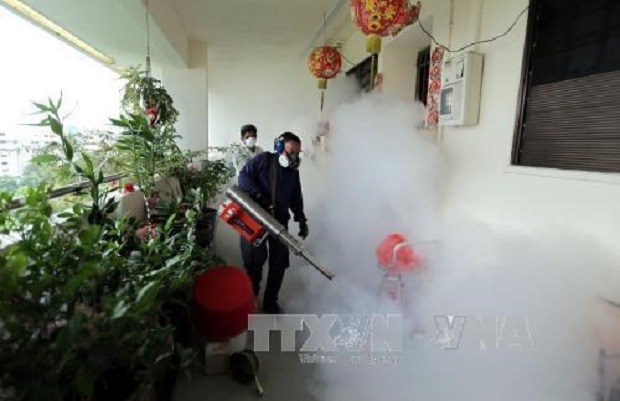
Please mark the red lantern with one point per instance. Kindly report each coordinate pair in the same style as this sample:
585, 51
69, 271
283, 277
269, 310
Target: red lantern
409, 17
325, 63
378, 18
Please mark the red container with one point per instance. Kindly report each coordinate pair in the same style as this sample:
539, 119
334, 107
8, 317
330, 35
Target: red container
222, 301
241, 222
396, 254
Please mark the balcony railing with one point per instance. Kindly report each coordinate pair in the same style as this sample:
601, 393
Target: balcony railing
69, 189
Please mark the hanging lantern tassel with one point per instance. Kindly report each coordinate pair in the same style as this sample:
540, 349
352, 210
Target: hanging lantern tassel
373, 44
322, 87
373, 67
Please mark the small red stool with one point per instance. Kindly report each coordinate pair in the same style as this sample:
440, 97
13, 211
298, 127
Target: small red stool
222, 301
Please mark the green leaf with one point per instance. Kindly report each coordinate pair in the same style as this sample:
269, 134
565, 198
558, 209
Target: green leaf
41, 107
86, 271
69, 334
44, 159
146, 297
85, 382
18, 261
170, 222
90, 169
120, 310
147, 291
68, 151
56, 126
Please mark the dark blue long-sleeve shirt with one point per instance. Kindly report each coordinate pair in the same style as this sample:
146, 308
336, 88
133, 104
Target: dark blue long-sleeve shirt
254, 180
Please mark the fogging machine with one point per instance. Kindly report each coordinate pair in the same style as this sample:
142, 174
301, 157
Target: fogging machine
255, 224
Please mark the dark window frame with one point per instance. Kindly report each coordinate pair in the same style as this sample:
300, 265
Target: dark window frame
524, 85
423, 73
596, 162
362, 72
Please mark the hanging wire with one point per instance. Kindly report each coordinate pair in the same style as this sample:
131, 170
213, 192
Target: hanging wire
494, 38
346, 59
324, 30
148, 40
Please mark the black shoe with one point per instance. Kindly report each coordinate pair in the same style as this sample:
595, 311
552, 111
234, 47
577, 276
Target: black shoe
272, 309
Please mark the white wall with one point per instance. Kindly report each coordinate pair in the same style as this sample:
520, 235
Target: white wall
165, 16
398, 62
189, 89
270, 88
482, 181
482, 184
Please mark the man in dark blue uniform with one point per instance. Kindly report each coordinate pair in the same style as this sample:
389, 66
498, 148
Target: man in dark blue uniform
272, 180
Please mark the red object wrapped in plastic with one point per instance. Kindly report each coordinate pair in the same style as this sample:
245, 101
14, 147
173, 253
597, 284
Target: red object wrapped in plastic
222, 301
395, 253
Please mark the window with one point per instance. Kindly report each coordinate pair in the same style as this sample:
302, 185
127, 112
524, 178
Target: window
569, 116
362, 72
423, 64
37, 66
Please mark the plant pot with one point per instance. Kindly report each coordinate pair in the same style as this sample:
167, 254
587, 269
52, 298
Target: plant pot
205, 228
165, 381
177, 315
115, 384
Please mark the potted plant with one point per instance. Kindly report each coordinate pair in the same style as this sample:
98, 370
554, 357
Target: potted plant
210, 177
87, 321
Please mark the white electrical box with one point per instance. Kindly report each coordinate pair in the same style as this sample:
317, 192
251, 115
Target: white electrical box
461, 80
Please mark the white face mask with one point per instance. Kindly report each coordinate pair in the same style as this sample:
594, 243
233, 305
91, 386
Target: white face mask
284, 160
250, 142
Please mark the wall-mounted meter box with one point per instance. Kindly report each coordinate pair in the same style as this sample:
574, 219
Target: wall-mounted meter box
461, 80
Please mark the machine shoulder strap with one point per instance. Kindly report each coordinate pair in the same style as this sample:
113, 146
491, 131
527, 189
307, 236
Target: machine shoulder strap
273, 172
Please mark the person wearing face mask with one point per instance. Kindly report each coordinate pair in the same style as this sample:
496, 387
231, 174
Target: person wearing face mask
240, 153
272, 180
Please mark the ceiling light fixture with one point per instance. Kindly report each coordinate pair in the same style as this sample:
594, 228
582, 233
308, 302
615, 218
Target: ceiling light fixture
56, 29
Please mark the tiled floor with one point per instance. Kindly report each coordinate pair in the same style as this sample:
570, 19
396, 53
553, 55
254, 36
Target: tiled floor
282, 376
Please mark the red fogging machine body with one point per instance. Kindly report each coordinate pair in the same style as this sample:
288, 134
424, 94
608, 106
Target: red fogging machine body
242, 223
254, 224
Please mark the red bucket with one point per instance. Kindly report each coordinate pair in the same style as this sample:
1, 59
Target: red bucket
395, 254
222, 301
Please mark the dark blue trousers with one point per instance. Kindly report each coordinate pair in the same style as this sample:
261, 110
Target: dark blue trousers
254, 258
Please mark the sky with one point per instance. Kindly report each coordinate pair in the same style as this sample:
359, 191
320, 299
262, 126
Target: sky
34, 66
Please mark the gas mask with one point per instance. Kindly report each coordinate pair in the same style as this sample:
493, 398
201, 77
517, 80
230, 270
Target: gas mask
250, 142
289, 161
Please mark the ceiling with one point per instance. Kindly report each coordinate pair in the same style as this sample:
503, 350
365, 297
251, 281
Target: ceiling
114, 27
117, 27
243, 23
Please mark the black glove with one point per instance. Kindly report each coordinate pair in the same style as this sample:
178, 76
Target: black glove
303, 229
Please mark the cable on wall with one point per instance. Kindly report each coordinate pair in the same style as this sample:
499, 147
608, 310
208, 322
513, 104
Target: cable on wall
449, 50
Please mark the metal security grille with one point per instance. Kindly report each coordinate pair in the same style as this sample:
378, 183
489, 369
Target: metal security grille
362, 72
569, 116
